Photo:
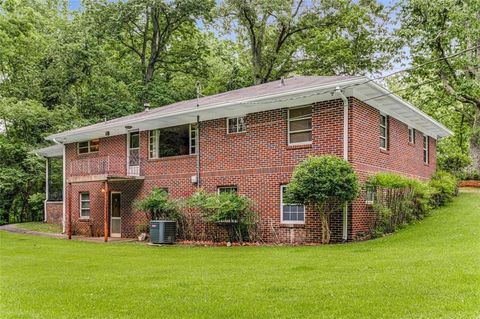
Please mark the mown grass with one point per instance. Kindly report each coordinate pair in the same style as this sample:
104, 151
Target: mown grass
427, 270
41, 227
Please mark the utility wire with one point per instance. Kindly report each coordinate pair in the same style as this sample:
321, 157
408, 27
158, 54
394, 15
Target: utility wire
371, 80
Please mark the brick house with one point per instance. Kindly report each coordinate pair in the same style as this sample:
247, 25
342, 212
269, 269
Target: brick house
249, 141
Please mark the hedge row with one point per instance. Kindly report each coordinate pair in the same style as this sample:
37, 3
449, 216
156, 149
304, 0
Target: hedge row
399, 200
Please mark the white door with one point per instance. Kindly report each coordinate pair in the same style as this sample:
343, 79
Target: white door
115, 215
133, 154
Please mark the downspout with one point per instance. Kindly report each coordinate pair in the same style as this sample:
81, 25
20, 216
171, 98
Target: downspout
47, 173
339, 92
197, 140
64, 192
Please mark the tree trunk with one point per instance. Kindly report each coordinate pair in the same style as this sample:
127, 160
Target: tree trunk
325, 221
475, 143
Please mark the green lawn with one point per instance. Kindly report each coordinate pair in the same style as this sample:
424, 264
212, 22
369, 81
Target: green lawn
41, 227
428, 270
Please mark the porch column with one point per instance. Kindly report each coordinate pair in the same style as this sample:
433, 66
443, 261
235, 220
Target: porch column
105, 211
47, 177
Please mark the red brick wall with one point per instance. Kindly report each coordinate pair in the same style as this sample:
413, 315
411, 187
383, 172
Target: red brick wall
54, 212
368, 158
258, 162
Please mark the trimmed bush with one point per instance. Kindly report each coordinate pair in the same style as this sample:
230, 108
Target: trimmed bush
326, 183
400, 200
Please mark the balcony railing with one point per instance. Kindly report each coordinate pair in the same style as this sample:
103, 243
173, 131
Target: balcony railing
105, 165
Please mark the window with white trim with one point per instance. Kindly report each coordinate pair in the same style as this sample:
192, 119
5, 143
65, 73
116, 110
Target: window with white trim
383, 131
291, 213
370, 195
173, 141
227, 189
300, 125
86, 147
236, 125
425, 149
84, 205
411, 135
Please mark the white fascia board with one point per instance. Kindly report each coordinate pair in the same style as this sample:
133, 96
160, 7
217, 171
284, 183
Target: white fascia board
439, 131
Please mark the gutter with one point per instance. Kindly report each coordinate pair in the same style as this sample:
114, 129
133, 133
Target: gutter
340, 94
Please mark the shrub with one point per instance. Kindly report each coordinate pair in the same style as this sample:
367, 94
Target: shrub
444, 186
158, 206
399, 200
326, 183
36, 203
228, 209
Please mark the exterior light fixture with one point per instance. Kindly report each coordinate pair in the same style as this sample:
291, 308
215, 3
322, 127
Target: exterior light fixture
128, 127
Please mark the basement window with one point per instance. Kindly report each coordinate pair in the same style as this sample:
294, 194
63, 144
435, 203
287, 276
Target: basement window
384, 131
291, 213
173, 141
227, 189
411, 135
85, 205
425, 149
300, 125
236, 125
86, 147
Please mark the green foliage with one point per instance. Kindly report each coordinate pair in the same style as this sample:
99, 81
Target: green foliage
444, 186
399, 200
158, 205
226, 208
326, 183
36, 202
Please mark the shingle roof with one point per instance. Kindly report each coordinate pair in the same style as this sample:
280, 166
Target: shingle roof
290, 84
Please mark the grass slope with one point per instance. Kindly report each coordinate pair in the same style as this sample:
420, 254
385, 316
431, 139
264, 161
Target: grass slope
41, 227
428, 270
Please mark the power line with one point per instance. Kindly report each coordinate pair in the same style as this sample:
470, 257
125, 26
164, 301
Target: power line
371, 80
399, 90
414, 67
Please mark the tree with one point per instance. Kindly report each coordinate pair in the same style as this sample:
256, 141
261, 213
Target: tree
448, 33
160, 34
326, 183
282, 34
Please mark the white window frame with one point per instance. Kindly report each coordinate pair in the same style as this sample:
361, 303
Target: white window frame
298, 222
411, 135
156, 136
426, 149
192, 140
370, 195
386, 137
89, 146
219, 188
237, 118
84, 209
299, 119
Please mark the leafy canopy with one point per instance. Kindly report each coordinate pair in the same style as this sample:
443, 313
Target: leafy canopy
318, 180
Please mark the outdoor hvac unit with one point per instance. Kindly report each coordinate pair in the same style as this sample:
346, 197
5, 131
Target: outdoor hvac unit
162, 231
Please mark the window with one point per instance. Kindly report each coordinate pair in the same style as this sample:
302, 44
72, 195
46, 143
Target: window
88, 146
291, 213
370, 195
173, 141
84, 205
227, 189
134, 140
236, 124
425, 149
383, 131
411, 135
300, 125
